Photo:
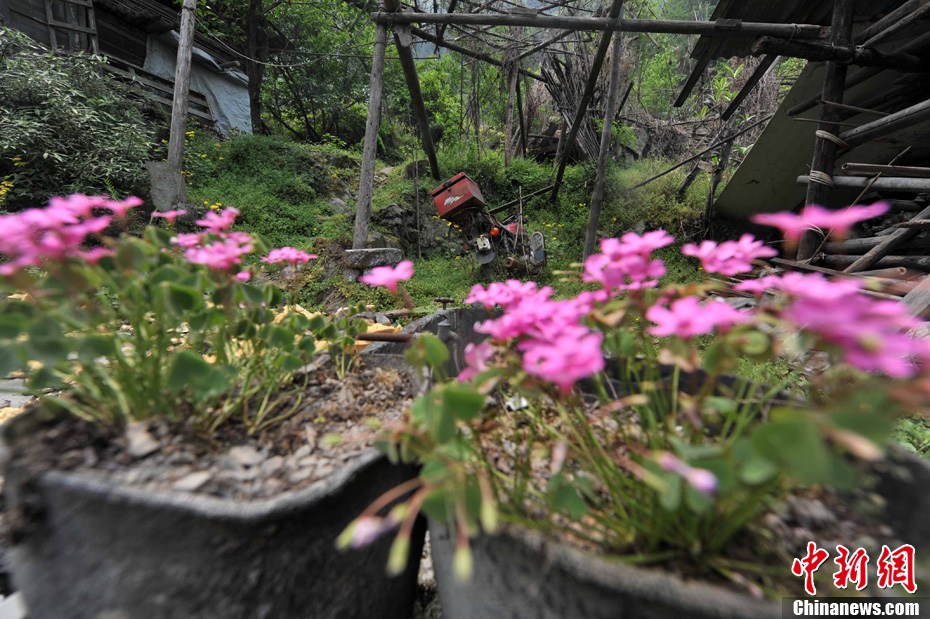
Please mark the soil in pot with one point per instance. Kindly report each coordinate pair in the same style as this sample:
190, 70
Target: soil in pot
160, 521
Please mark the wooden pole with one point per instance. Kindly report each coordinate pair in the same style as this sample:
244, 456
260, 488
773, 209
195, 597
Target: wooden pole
893, 240
882, 184
824, 159
403, 41
861, 56
761, 71
884, 262
908, 117
861, 246
522, 119
603, 155
551, 40
509, 140
899, 25
718, 28
614, 16
370, 146
182, 82
871, 169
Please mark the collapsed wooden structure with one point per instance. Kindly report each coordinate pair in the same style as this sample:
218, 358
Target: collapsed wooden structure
136, 38
840, 33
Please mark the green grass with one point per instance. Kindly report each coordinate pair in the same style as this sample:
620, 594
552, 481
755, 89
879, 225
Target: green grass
914, 434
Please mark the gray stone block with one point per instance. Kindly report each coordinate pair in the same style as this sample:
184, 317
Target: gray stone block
369, 258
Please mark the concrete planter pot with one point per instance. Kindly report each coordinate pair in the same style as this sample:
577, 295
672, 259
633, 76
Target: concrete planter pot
519, 573
101, 549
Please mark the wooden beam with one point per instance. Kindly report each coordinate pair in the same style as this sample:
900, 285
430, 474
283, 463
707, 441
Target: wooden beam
892, 241
903, 119
803, 266
888, 20
824, 159
521, 117
848, 54
718, 28
182, 81
614, 17
871, 169
370, 146
610, 111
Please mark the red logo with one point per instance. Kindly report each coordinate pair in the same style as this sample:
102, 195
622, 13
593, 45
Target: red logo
894, 567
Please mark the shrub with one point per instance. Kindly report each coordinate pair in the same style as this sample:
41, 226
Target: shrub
65, 126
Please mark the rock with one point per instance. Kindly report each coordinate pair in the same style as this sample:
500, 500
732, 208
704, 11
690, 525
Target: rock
377, 240
243, 455
139, 442
192, 482
339, 206
811, 513
272, 465
368, 258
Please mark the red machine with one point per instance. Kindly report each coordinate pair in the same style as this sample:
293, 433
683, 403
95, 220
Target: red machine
459, 200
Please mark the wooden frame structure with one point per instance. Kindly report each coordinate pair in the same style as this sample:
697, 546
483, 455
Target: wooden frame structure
833, 43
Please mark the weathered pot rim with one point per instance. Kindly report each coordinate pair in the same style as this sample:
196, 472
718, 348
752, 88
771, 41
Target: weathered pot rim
646, 583
229, 509
207, 506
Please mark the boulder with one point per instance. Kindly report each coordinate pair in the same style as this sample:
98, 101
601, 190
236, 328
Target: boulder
361, 259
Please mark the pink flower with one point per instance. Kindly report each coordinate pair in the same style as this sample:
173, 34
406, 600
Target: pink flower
288, 254
701, 480
222, 255
169, 216
243, 276
566, 358
119, 208
687, 317
506, 294
218, 222
730, 257
476, 360
387, 276
367, 529
188, 240
816, 217
633, 244
94, 255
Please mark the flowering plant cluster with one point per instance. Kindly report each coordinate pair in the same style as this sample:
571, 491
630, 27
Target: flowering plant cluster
619, 418
166, 325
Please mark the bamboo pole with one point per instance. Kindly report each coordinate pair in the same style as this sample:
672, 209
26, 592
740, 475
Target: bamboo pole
610, 111
718, 28
871, 169
847, 262
908, 117
824, 159
370, 146
875, 255
845, 54
761, 71
614, 17
882, 184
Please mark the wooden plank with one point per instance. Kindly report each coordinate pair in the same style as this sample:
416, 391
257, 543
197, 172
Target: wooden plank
60, 25
846, 54
85, 3
169, 103
861, 246
194, 97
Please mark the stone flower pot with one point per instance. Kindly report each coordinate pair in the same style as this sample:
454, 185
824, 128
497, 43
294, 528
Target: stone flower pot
85, 546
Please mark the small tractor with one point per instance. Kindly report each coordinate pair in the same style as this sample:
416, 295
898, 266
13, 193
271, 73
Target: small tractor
460, 202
